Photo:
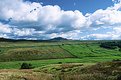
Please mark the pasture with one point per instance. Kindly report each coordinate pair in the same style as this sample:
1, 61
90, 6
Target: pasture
44, 53
70, 60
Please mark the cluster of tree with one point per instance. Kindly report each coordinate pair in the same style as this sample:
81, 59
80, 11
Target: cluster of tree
111, 45
26, 66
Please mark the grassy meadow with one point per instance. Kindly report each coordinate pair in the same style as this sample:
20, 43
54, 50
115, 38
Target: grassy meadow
65, 58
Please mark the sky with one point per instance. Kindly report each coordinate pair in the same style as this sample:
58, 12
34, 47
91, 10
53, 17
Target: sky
85, 6
72, 19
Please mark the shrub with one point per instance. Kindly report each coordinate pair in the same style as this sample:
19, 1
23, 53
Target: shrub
114, 60
26, 66
120, 49
59, 62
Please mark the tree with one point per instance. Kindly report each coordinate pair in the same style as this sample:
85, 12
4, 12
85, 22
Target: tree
120, 49
26, 66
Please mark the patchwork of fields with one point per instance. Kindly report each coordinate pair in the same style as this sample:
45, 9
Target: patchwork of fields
70, 60
62, 51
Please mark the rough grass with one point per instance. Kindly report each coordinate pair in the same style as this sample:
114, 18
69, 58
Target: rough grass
67, 71
99, 71
23, 75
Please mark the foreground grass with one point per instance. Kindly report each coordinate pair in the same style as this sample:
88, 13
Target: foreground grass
101, 71
110, 70
15, 74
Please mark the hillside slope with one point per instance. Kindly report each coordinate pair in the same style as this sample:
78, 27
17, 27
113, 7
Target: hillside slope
18, 51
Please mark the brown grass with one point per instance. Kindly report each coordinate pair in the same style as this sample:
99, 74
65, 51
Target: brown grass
23, 75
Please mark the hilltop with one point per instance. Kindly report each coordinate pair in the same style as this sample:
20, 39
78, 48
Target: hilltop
58, 39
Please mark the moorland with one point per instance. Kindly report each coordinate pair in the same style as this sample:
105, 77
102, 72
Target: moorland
60, 59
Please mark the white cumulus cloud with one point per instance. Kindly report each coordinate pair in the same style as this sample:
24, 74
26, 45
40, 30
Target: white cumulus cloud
24, 19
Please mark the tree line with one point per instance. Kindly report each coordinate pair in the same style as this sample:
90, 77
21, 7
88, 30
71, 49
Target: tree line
111, 45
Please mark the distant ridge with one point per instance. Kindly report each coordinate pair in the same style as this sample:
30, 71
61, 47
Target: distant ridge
58, 39
7, 40
50, 40
17, 40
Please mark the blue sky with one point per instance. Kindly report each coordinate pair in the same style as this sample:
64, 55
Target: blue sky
85, 6
72, 19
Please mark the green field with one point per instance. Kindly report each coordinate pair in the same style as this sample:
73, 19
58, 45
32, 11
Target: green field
12, 54
60, 60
